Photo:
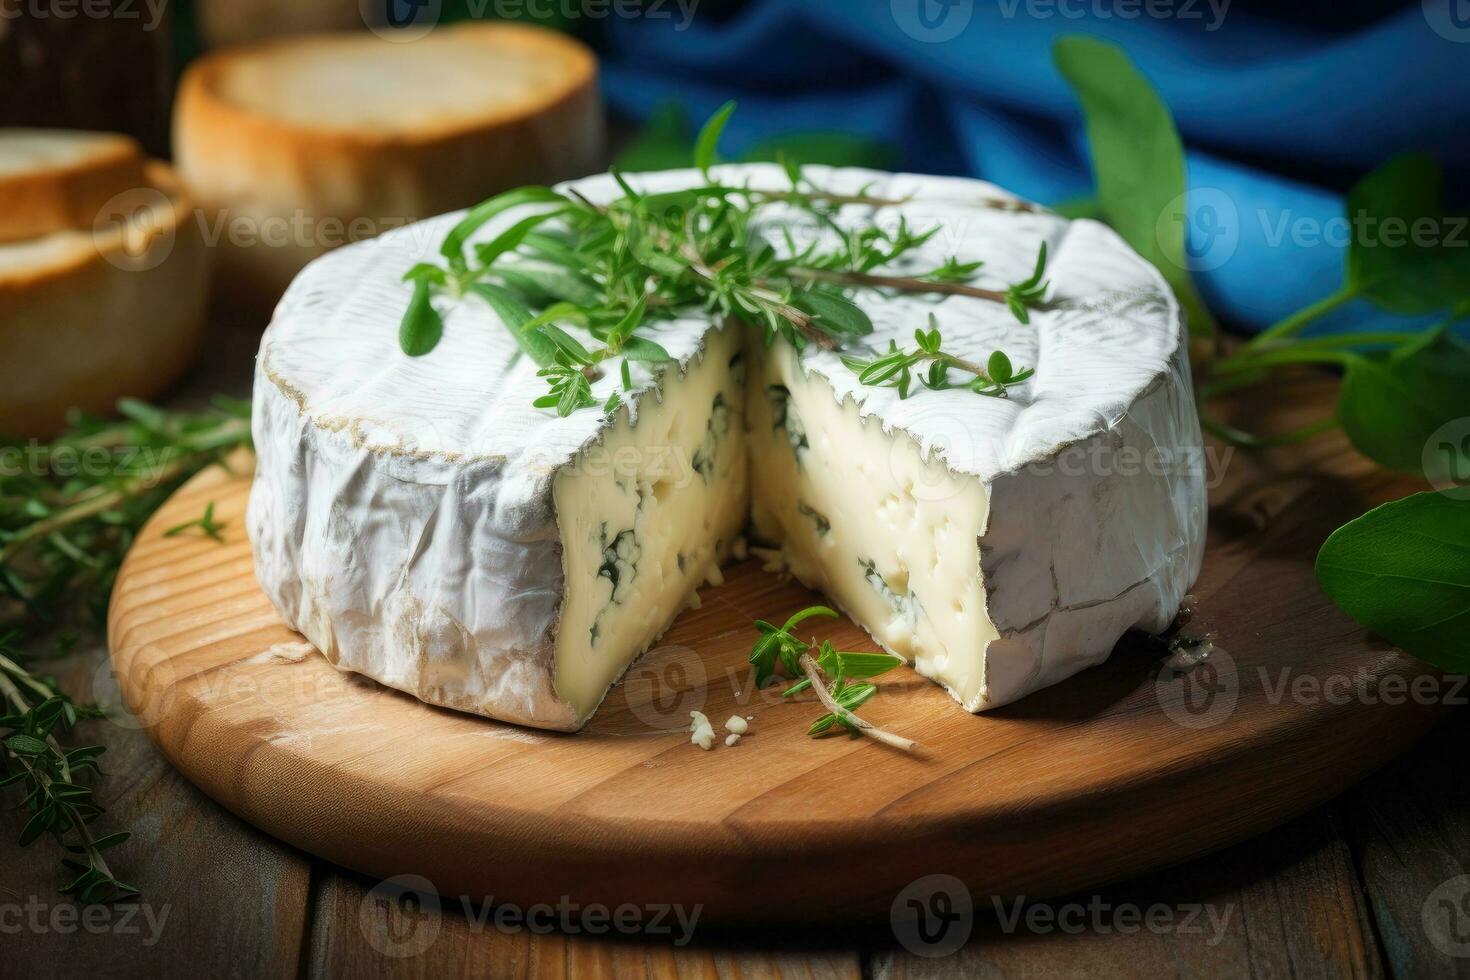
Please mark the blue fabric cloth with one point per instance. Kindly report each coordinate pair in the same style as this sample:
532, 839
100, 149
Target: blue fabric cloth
1279, 110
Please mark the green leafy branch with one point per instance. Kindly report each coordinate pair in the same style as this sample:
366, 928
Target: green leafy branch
608, 270
831, 675
895, 368
70, 509
1403, 568
35, 714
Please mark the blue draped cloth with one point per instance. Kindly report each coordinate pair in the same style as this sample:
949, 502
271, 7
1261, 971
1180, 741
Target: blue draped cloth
1280, 109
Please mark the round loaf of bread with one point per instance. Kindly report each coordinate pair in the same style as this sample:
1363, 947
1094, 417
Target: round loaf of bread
87, 317
58, 179
294, 147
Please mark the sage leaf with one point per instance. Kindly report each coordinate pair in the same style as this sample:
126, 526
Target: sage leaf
1404, 255
1403, 570
1392, 405
1137, 159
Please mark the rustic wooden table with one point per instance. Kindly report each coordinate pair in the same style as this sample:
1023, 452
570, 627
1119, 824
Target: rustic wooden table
1376, 882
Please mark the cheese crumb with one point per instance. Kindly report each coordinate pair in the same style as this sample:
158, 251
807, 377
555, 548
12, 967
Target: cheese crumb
702, 733
737, 725
732, 739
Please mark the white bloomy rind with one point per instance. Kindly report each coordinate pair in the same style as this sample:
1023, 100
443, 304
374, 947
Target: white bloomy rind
406, 519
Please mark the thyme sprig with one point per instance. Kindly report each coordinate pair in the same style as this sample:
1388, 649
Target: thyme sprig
779, 646
611, 269
896, 368
32, 757
207, 525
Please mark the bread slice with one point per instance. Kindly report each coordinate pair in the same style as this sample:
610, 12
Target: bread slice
296, 146
55, 179
87, 317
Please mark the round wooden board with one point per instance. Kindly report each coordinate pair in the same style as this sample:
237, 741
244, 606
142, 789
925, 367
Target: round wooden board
1120, 770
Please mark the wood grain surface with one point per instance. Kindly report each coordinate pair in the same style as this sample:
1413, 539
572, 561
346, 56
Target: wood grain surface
1125, 768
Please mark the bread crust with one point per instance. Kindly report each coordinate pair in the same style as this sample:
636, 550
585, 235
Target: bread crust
69, 196
105, 315
277, 194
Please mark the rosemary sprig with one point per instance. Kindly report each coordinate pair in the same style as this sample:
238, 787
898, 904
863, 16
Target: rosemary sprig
609, 269
70, 509
35, 714
895, 368
779, 646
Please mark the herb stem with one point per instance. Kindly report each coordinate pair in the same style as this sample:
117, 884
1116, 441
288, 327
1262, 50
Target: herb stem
1298, 321
901, 283
814, 674
1249, 440
91, 506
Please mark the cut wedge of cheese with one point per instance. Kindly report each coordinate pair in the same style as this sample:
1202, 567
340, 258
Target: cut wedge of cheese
87, 317
62, 179
420, 522
296, 146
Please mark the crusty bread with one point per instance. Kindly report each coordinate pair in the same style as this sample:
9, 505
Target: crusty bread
87, 317
296, 146
58, 179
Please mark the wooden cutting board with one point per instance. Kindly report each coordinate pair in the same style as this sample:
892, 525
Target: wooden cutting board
1127, 767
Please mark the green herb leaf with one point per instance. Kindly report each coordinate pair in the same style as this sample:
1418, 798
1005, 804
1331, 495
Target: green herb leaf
207, 525
453, 246
536, 345
1403, 255
833, 313
1391, 406
1137, 159
421, 327
707, 144
1403, 570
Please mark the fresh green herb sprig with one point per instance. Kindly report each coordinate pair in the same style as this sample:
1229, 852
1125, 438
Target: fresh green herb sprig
609, 269
36, 715
1399, 569
70, 509
896, 367
207, 525
780, 646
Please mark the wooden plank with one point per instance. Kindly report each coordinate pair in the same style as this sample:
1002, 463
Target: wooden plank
362, 928
219, 898
1410, 826
1284, 905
